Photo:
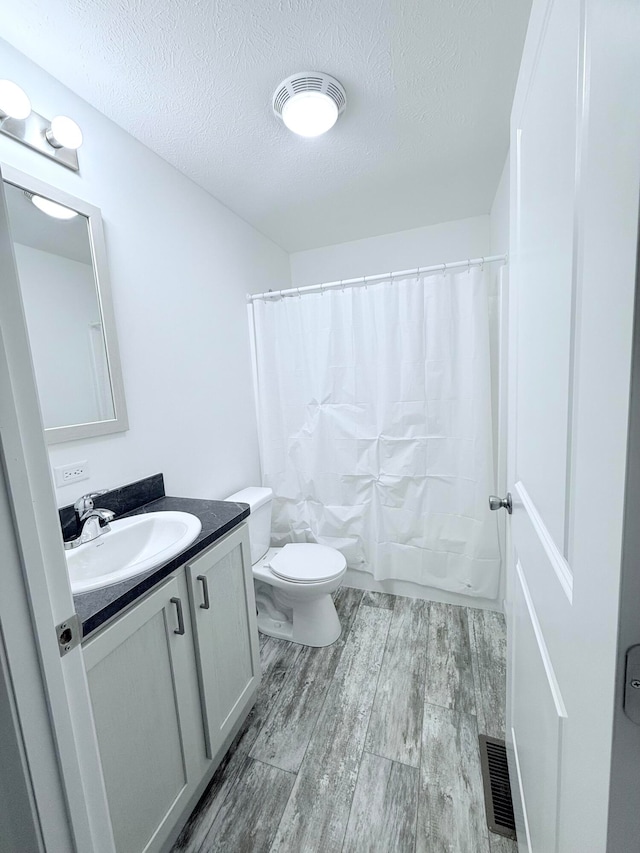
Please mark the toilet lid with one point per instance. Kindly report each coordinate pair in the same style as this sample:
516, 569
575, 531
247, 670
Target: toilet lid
307, 563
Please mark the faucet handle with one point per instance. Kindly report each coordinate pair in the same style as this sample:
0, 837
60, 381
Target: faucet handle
85, 503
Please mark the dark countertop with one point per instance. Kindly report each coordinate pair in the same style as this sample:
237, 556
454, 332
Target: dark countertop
218, 517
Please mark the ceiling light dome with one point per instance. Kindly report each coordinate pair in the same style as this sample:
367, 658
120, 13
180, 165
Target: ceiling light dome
309, 103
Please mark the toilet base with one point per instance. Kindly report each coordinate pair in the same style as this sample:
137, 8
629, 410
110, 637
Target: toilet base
309, 623
275, 628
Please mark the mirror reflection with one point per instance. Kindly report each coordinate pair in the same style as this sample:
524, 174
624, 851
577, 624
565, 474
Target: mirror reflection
55, 267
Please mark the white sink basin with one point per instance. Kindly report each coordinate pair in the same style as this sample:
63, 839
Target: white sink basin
132, 546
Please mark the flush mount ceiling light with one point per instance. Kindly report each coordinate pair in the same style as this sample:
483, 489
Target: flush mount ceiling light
13, 101
51, 208
57, 139
309, 103
64, 133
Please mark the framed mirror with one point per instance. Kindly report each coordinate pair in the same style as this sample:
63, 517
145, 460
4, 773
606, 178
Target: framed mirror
61, 260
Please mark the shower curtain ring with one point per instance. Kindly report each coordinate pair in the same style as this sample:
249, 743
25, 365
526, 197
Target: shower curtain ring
298, 290
468, 266
444, 269
482, 266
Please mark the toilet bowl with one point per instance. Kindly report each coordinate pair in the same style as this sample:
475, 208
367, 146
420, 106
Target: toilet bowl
294, 583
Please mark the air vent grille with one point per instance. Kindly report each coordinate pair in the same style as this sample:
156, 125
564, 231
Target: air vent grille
309, 81
305, 84
497, 786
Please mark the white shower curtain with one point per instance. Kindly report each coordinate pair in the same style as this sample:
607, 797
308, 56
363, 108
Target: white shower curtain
374, 411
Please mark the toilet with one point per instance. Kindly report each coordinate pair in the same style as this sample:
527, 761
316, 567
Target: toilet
294, 583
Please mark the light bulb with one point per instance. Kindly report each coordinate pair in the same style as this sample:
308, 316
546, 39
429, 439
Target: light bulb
13, 101
310, 113
64, 133
52, 208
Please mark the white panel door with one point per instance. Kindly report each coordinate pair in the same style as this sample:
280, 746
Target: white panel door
575, 141
51, 694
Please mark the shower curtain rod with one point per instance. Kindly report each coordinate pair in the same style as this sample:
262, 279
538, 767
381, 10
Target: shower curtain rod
367, 279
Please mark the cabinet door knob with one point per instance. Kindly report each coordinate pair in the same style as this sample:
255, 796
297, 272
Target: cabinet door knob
205, 592
178, 604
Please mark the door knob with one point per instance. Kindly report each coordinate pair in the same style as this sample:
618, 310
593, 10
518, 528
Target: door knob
501, 503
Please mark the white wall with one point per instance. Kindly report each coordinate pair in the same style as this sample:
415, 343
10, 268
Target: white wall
419, 247
180, 265
499, 216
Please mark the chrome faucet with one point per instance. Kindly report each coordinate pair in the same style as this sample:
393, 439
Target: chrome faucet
92, 521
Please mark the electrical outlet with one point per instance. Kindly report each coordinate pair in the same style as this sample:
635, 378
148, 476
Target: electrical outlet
67, 474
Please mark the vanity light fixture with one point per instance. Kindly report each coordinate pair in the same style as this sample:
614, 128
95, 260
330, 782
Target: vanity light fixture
309, 103
51, 208
14, 102
57, 139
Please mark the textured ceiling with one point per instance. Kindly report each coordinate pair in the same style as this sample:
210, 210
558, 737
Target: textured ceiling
423, 139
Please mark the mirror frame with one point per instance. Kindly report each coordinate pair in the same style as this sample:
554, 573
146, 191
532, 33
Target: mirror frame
120, 421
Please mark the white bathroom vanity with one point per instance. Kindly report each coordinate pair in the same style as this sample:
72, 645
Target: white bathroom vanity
171, 681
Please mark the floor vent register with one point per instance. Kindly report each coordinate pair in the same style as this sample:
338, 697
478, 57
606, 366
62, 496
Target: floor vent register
497, 787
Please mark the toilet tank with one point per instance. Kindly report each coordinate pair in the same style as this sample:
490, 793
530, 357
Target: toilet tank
259, 521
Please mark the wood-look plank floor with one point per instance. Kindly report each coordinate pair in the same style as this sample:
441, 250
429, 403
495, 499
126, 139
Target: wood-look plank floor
285, 736
449, 672
489, 656
390, 791
401, 685
317, 813
369, 745
451, 806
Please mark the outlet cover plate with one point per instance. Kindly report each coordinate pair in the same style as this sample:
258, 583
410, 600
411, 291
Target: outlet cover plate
71, 473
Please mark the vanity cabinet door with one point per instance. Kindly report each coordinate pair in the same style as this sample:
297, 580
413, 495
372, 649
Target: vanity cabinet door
144, 693
226, 630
